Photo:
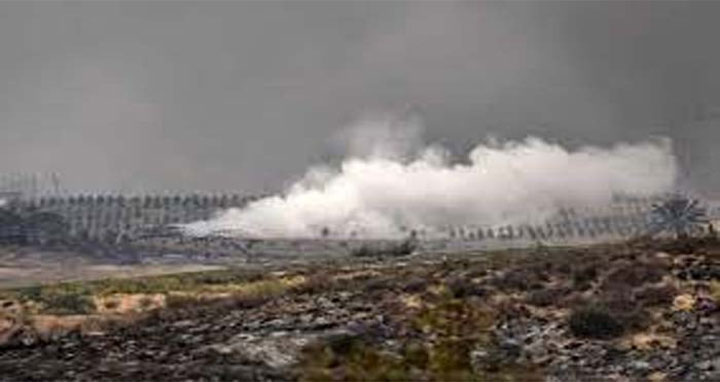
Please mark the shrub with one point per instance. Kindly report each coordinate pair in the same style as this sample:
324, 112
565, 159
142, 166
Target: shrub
715, 290
146, 302
522, 279
68, 303
659, 295
621, 303
378, 284
416, 284
584, 276
461, 287
594, 322
33, 293
635, 275
181, 301
573, 300
415, 354
317, 282
407, 247
64, 298
455, 318
404, 248
450, 358
546, 297
365, 251
343, 344
564, 268
349, 358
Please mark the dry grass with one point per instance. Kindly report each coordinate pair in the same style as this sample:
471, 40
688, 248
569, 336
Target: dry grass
715, 290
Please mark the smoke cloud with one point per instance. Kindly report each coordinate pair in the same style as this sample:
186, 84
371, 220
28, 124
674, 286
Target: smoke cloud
389, 183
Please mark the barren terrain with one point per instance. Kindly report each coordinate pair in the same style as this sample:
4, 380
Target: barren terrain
621, 312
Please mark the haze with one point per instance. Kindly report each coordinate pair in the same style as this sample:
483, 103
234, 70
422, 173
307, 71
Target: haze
244, 96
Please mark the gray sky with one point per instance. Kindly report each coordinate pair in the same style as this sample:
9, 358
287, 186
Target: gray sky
144, 95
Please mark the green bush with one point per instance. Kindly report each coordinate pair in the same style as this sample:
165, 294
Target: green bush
68, 303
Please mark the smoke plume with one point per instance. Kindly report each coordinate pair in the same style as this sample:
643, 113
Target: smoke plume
388, 184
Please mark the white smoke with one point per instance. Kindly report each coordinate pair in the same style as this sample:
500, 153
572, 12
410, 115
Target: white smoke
383, 190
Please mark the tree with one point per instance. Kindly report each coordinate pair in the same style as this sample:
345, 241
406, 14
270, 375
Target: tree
490, 233
10, 227
45, 226
679, 215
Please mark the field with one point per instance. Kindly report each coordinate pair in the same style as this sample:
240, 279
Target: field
645, 310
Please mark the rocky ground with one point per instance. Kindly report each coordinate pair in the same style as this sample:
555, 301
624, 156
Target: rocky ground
626, 312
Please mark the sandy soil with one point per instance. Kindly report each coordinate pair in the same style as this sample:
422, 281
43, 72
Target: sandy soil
25, 269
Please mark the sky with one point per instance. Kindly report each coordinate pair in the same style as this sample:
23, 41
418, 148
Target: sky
244, 96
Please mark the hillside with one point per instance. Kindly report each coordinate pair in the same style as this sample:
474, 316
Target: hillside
637, 311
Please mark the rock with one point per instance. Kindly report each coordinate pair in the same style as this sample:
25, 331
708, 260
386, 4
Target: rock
657, 377
480, 359
640, 365
537, 353
704, 365
510, 349
277, 350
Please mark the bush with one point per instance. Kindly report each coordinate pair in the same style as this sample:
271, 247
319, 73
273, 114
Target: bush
378, 284
66, 298
461, 287
573, 300
547, 297
583, 277
318, 282
68, 303
349, 358
521, 279
416, 284
365, 251
622, 304
33, 293
655, 296
564, 268
182, 301
635, 275
404, 248
343, 344
593, 322
715, 290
